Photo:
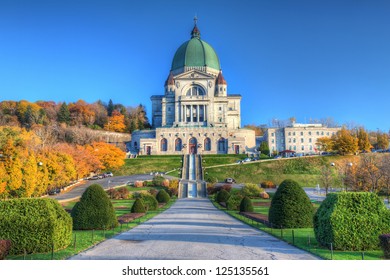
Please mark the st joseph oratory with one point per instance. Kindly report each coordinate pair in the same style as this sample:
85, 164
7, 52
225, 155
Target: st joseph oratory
196, 115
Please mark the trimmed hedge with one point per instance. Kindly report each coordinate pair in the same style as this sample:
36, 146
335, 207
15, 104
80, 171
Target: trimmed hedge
149, 201
94, 210
384, 240
291, 207
246, 205
34, 225
162, 196
5, 247
233, 203
138, 206
351, 221
222, 196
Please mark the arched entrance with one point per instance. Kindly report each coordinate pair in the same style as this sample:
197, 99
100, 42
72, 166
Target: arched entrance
192, 147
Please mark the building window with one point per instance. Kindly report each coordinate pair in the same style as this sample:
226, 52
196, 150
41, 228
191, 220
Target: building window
301, 133
164, 145
272, 134
194, 91
273, 141
309, 140
309, 132
207, 144
311, 147
327, 133
303, 148
294, 140
294, 133
169, 109
289, 134
318, 133
290, 148
220, 108
135, 144
221, 145
322, 133
295, 148
178, 145
289, 140
302, 140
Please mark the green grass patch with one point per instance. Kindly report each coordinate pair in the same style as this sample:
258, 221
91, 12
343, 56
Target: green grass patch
147, 164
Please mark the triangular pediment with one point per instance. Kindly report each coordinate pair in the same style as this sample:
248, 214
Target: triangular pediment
194, 75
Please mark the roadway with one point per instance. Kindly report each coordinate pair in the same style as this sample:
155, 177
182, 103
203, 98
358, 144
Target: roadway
106, 183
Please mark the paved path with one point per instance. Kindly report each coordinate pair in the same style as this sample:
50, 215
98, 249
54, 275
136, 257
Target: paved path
193, 229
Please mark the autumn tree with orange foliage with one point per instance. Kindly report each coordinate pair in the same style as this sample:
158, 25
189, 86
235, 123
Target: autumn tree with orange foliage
116, 122
85, 161
109, 155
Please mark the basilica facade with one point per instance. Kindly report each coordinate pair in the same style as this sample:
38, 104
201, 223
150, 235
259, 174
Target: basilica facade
196, 115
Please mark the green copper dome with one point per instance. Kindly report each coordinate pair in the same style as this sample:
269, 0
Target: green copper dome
195, 52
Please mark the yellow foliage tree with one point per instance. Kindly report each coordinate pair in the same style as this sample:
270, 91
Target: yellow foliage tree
3, 179
30, 173
109, 155
116, 122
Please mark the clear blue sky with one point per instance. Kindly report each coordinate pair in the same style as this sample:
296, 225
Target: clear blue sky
308, 59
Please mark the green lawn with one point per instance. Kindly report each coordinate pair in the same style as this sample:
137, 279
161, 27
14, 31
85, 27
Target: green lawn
147, 164
306, 171
303, 238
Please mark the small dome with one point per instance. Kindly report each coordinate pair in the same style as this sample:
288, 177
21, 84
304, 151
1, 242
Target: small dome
195, 52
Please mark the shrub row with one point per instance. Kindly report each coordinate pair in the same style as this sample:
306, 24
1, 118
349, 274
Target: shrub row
384, 241
121, 193
5, 247
34, 225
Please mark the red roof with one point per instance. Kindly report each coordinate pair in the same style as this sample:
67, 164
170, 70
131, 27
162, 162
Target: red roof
170, 80
220, 79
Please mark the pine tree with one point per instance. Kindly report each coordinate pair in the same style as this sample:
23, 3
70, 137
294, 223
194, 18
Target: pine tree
63, 115
110, 108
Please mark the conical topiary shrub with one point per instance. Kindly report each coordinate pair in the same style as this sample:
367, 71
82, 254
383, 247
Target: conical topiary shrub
94, 210
138, 206
290, 207
222, 196
149, 201
162, 196
246, 205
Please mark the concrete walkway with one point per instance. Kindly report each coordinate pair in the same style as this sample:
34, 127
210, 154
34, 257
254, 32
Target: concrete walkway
193, 229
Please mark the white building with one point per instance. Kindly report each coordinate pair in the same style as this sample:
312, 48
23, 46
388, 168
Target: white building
300, 138
196, 114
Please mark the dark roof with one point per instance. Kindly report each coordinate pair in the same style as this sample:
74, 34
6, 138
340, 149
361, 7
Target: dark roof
170, 80
220, 79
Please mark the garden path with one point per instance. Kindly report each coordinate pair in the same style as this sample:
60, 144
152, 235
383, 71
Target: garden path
193, 229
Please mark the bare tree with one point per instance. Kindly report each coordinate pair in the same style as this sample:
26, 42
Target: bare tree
326, 177
385, 169
369, 169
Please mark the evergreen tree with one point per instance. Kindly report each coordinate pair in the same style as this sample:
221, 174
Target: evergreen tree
110, 108
264, 149
63, 115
